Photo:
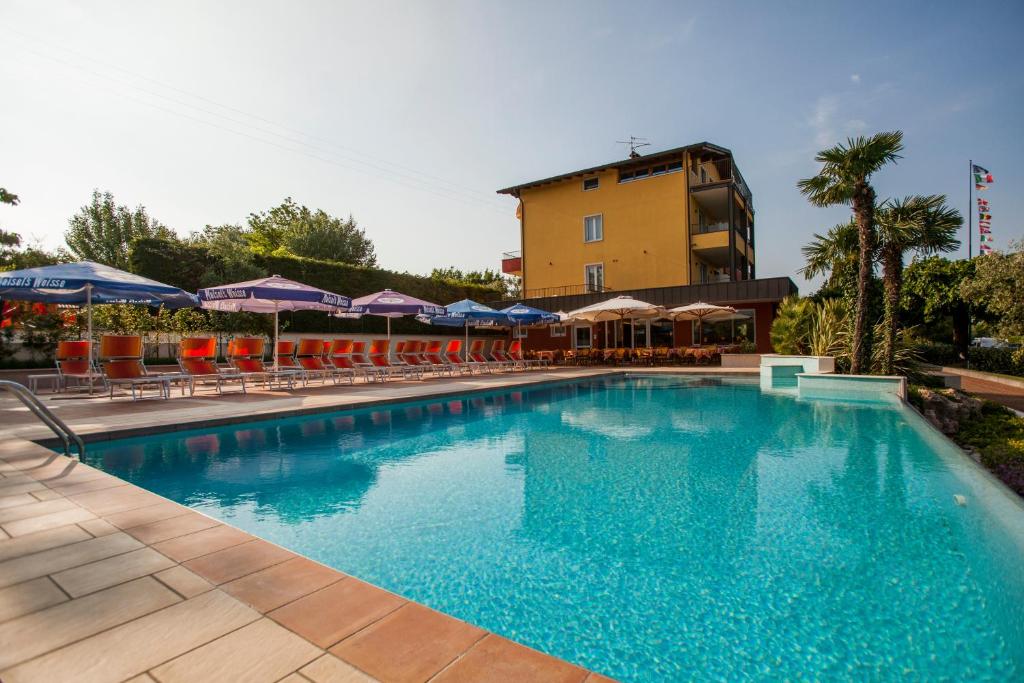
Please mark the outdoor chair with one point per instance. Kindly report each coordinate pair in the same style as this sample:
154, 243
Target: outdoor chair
515, 354
245, 354
475, 356
121, 364
308, 354
499, 355
380, 358
74, 362
339, 361
452, 356
433, 354
197, 358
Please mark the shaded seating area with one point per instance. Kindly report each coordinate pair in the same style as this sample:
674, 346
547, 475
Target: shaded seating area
122, 366
197, 357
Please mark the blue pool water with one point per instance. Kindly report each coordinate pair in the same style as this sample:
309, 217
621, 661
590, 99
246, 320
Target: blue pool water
649, 528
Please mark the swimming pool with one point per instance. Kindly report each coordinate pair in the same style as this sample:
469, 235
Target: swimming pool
648, 527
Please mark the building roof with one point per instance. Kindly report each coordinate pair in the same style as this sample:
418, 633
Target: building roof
645, 158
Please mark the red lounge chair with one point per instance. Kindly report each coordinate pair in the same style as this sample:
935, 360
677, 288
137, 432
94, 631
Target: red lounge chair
476, 357
121, 363
515, 353
452, 357
342, 369
74, 362
197, 358
498, 354
246, 356
362, 363
380, 358
430, 355
307, 356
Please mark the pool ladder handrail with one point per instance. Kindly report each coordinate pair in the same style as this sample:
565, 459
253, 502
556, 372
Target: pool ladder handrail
32, 402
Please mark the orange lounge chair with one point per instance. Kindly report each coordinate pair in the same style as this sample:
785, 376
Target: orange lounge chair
362, 363
340, 359
327, 362
432, 355
246, 356
498, 354
121, 364
454, 359
475, 356
307, 360
197, 358
380, 358
74, 362
515, 354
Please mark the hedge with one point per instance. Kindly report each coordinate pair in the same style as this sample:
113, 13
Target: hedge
183, 265
1002, 361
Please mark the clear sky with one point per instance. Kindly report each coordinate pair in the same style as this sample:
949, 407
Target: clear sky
410, 115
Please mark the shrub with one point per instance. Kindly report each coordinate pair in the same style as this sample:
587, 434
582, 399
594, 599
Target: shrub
937, 353
998, 436
1002, 361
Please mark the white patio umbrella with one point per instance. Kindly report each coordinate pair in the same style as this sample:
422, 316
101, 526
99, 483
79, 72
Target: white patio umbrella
701, 311
618, 308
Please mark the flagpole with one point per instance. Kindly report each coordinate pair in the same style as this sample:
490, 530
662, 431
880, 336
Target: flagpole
970, 229
970, 205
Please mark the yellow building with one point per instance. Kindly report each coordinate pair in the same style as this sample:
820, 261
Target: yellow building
656, 220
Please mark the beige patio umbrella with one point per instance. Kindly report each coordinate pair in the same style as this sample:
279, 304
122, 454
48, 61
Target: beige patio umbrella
701, 311
618, 308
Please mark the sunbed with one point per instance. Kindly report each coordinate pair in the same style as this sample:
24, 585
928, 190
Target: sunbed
197, 358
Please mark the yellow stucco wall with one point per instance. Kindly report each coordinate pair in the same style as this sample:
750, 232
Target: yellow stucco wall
645, 232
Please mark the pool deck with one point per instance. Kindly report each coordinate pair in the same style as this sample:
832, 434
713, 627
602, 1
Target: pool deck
101, 580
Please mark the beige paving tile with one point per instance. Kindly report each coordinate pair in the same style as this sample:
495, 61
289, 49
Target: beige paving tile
27, 597
145, 515
238, 561
498, 659
330, 669
138, 646
294, 678
411, 644
34, 634
141, 678
3, 534
96, 576
35, 509
104, 483
282, 583
154, 532
261, 651
98, 527
202, 543
184, 582
16, 500
336, 612
21, 487
45, 494
53, 520
54, 560
117, 499
44, 540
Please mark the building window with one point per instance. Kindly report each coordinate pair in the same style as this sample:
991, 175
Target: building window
593, 277
590, 183
581, 338
703, 272
558, 330
593, 228
703, 174
660, 169
519, 332
729, 331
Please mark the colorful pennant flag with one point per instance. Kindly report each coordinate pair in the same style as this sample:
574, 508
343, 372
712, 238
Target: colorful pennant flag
982, 175
979, 187
982, 179
984, 216
984, 230
985, 248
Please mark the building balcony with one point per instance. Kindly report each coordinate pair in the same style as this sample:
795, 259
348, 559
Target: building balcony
720, 174
566, 290
512, 263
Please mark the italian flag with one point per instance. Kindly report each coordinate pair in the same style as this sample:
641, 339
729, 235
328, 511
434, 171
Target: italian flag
984, 216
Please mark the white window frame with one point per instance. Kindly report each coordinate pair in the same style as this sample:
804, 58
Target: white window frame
519, 332
596, 179
593, 215
590, 334
586, 275
559, 330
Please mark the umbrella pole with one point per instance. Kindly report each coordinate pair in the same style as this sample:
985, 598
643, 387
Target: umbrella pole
388, 318
465, 350
275, 338
88, 334
632, 334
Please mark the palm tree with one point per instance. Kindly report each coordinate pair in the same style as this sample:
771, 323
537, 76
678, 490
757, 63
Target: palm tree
833, 254
922, 224
844, 179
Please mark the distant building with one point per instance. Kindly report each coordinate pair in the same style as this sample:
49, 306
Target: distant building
666, 226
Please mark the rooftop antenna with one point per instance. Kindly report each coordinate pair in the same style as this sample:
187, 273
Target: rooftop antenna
634, 143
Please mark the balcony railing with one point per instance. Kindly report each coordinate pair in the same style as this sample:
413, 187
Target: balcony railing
718, 171
721, 226
566, 290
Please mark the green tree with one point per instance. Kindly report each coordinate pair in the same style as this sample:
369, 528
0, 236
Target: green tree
844, 178
232, 258
13, 256
791, 329
504, 286
922, 224
834, 255
997, 284
102, 231
299, 231
8, 197
931, 296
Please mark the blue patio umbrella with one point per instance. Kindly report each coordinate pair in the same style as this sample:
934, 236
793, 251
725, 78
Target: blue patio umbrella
465, 314
87, 283
521, 314
390, 304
